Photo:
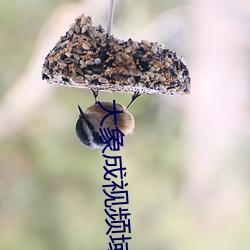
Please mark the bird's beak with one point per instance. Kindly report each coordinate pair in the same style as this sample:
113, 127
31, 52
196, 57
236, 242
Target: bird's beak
82, 115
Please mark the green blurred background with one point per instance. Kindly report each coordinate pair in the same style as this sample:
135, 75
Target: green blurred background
188, 161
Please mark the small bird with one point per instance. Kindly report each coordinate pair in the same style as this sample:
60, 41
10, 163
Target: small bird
88, 123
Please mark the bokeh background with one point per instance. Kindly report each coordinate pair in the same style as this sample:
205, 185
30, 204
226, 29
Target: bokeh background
188, 161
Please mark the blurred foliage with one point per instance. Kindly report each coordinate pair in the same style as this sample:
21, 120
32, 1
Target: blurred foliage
20, 24
51, 195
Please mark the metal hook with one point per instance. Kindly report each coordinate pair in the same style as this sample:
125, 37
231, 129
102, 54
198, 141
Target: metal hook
110, 16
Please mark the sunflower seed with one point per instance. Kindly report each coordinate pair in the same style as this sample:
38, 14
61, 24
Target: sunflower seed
95, 76
145, 42
78, 70
88, 62
154, 49
61, 62
150, 74
144, 78
69, 60
103, 80
134, 72
64, 43
131, 80
77, 29
135, 45
77, 57
68, 54
77, 79
85, 46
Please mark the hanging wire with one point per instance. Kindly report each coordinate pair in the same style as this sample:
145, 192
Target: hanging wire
110, 16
